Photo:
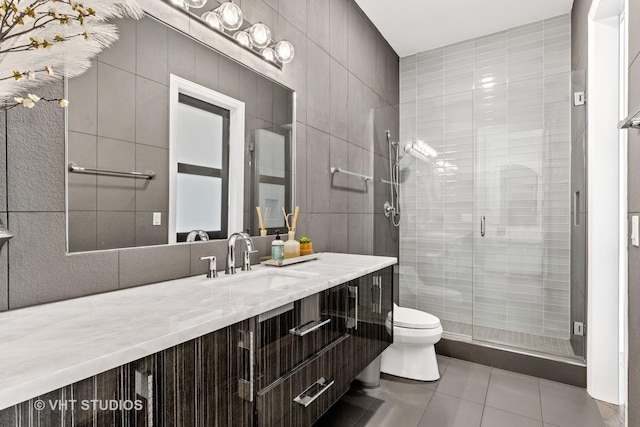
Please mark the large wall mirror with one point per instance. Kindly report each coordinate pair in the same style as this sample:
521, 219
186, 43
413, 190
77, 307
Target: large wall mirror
166, 136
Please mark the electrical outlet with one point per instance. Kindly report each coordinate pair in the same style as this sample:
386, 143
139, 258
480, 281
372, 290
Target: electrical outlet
578, 98
578, 329
157, 218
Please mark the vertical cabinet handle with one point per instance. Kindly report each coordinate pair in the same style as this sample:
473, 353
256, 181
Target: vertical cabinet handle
482, 225
576, 208
377, 284
352, 322
379, 294
245, 386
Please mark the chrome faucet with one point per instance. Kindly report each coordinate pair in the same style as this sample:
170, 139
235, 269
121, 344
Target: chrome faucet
191, 237
212, 272
231, 253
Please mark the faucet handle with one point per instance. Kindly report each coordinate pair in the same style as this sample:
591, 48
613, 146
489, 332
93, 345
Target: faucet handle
212, 271
246, 259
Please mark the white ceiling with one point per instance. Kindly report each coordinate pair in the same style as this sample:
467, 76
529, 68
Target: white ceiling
412, 26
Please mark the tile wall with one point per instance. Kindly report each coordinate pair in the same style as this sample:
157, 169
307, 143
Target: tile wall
341, 120
496, 109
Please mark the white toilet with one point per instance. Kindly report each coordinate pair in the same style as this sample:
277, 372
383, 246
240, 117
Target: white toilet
412, 354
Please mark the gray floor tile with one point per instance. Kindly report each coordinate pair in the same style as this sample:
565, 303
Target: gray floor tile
515, 393
465, 380
449, 411
356, 401
332, 419
397, 405
496, 418
567, 406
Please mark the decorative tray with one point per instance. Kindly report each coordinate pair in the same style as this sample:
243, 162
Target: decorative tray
290, 261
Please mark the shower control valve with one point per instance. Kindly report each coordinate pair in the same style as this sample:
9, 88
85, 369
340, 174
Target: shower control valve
388, 209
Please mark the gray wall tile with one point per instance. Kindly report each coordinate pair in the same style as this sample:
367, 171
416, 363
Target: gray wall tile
339, 100
151, 47
82, 236
116, 193
82, 189
140, 266
318, 25
99, 271
339, 193
318, 167
362, 46
338, 26
152, 195
152, 113
318, 86
181, 55
319, 231
83, 101
115, 86
115, 229
35, 171
43, 272
206, 72
122, 54
147, 234
295, 11
339, 233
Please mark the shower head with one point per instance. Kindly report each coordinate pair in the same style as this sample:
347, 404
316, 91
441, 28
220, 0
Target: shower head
420, 150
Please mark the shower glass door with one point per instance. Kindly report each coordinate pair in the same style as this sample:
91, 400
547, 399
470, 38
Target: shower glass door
522, 214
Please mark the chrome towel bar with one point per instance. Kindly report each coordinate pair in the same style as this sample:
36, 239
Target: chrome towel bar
346, 172
77, 169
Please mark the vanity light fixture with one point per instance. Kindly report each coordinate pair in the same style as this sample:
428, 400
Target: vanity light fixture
228, 19
260, 35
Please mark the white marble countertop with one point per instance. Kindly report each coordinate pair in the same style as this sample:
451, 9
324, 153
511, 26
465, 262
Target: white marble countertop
47, 347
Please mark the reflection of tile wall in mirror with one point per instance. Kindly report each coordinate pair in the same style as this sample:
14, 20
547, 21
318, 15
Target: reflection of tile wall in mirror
119, 119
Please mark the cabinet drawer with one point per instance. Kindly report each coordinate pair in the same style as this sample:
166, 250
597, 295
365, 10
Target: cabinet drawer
289, 336
300, 398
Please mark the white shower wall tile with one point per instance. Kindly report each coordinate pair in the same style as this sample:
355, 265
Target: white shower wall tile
484, 104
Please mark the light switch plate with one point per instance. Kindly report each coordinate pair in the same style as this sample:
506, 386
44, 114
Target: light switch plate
157, 218
578, 98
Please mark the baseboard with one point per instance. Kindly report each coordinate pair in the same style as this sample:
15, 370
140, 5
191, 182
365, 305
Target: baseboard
566, 372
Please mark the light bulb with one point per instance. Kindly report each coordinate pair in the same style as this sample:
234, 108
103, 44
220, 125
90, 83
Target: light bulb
230, 15
242, 38
269, 54
196, 4
260, 35
213, 20
284, 51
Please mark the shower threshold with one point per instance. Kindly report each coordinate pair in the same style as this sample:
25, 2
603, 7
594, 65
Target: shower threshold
520, 342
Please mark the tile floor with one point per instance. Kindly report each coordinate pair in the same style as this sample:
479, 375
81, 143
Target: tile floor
469, 395
552, 345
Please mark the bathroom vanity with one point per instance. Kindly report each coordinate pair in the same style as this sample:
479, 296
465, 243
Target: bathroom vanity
270, 347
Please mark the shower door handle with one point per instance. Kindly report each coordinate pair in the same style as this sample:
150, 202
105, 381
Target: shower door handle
482, 225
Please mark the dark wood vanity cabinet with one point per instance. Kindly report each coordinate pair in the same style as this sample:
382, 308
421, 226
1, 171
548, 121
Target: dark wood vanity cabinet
282, 368
359, 309
370, 301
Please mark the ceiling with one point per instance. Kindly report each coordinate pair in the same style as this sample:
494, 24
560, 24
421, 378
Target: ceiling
412, 26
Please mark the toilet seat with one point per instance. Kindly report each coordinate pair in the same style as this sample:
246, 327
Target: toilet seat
413, 319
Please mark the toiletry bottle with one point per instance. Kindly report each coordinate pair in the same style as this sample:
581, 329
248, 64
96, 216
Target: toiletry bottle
291, 246
277, 248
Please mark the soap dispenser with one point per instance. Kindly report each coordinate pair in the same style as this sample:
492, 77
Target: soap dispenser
277, 248
291, 246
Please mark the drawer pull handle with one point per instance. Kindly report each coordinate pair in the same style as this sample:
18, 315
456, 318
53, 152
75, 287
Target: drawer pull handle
306, 398
308, 327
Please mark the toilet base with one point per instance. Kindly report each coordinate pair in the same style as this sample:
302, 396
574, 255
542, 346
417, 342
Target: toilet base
411, 361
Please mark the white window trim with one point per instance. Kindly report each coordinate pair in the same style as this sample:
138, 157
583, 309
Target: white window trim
178, 85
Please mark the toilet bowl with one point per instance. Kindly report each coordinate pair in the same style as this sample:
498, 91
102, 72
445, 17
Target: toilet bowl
412, 354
